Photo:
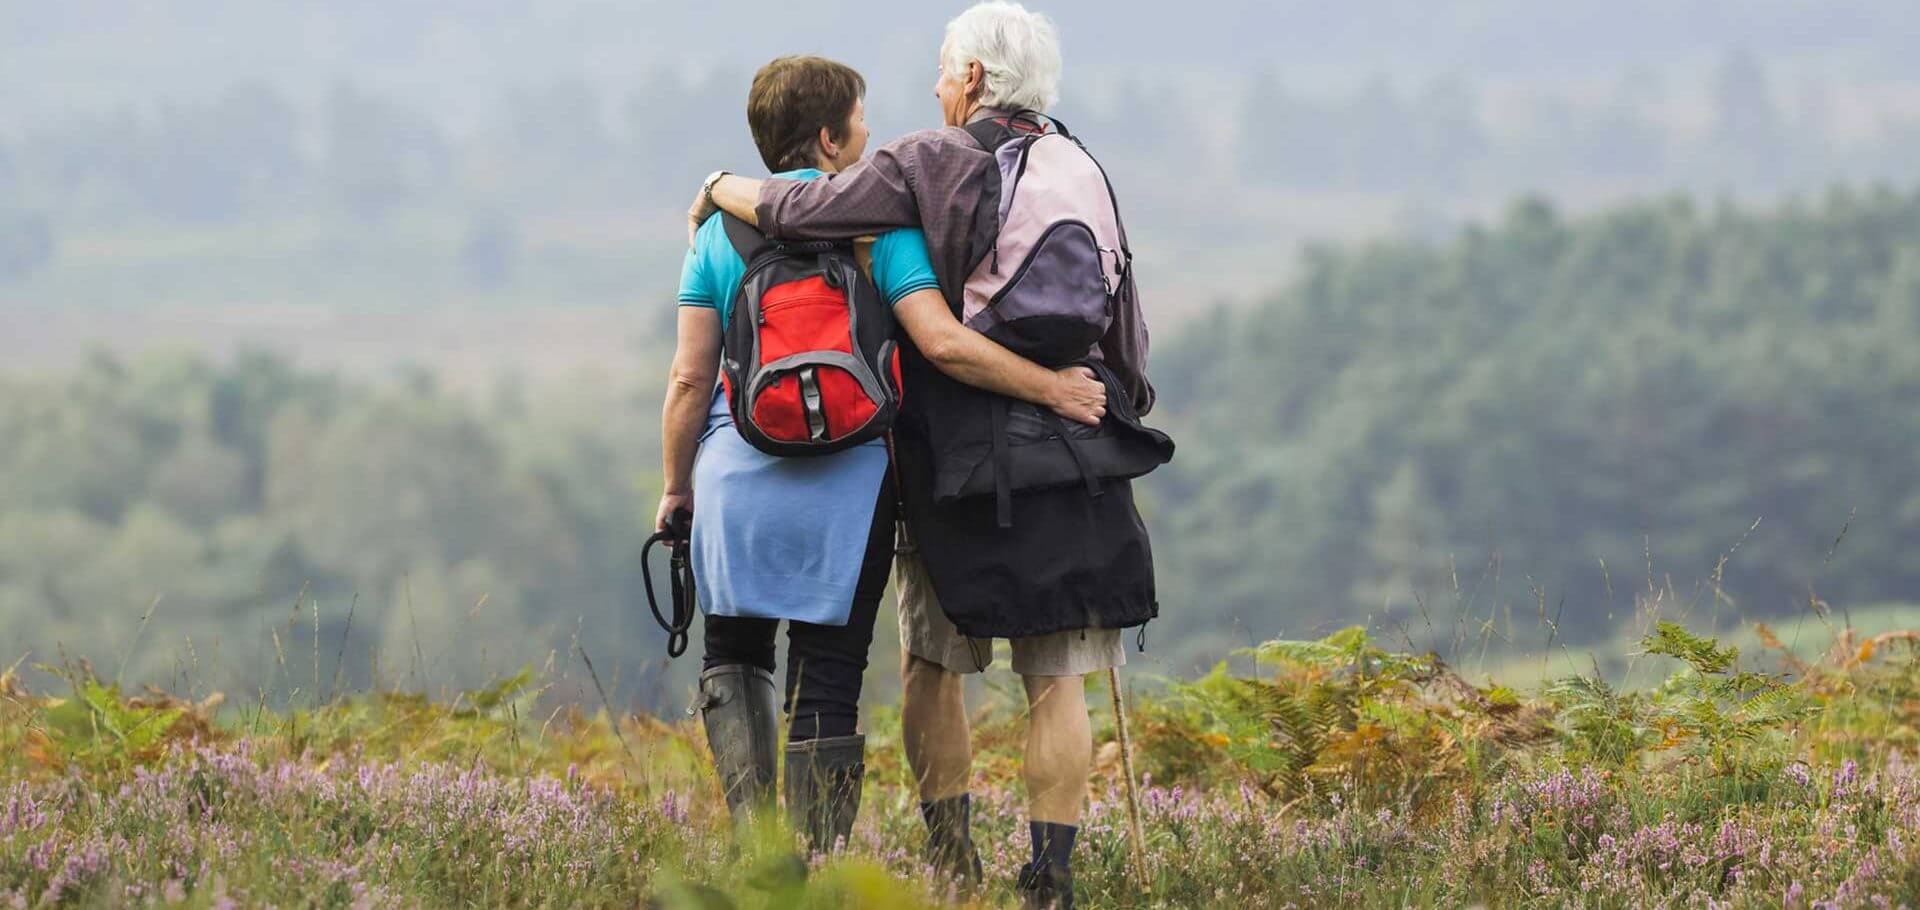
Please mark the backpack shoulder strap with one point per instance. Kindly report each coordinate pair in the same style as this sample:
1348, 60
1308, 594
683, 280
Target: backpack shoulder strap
751, 244
1054, 124
746, 239
994, 132
990, 133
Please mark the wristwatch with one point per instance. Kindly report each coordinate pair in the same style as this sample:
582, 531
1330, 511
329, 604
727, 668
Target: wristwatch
706, 188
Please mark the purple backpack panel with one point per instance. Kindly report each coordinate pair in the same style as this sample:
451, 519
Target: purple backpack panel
1046, 288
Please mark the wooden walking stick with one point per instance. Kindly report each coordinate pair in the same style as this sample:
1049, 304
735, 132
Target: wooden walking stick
1126, 767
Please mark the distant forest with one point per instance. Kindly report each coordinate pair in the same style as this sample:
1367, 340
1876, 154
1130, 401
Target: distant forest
1429, 404
564, 191
1547, 412
1560, 416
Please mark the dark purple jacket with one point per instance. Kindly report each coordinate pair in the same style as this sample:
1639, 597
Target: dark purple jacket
944, 183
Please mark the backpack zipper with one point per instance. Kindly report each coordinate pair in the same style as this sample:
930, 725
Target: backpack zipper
826, 268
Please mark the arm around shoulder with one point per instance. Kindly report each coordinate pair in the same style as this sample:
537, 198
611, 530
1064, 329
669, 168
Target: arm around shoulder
874, 195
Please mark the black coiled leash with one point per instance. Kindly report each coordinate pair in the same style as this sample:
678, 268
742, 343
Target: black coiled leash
678, 537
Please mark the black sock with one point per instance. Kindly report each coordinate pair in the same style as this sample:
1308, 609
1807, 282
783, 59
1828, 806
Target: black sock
1052, 844
948, 818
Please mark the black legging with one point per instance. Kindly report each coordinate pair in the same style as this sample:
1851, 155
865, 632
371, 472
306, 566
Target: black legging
825, 664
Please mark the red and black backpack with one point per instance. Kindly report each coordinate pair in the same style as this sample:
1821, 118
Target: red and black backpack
809, 361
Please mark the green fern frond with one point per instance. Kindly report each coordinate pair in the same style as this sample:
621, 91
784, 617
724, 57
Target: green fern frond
1317, 654
1581, 692
1705, 654
1775, 707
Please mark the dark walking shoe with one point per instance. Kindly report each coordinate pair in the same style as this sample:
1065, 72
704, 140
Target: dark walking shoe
1045, 887
950, 839
823, 788
742, 716
1046, 883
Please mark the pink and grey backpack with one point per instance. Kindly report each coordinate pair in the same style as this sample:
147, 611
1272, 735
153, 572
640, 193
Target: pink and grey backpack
1046, 287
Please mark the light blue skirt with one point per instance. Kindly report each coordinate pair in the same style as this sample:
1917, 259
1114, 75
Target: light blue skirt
780, 538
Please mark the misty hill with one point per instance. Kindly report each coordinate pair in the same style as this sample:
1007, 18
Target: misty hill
378, 157
1527, 412
1560, 415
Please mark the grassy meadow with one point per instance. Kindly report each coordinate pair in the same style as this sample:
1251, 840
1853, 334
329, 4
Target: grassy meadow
1466, 317
1311, 773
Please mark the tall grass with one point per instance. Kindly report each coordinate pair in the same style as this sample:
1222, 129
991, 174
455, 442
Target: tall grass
1333, 772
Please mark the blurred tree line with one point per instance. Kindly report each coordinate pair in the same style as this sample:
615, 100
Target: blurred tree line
262, 505
1557, 414
568, 149
1752, 134
1583, 406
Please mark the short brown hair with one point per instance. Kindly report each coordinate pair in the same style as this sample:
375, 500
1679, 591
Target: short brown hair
791, 99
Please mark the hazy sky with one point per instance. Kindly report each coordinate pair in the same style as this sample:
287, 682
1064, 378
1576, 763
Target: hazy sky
58, 57
1293, 120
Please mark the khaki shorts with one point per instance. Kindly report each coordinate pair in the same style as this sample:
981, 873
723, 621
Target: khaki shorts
926, 633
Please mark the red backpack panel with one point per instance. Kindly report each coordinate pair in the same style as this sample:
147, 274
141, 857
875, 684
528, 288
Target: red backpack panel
809, 361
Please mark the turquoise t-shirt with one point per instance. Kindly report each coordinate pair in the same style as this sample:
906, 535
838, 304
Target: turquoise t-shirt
783, 538
712, 271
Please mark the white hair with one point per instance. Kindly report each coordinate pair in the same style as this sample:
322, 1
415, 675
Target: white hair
1019, 50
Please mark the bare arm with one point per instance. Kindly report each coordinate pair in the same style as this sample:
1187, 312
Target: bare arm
968, 356
696, 361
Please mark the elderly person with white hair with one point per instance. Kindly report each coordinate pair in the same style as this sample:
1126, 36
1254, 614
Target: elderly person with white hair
1075, 569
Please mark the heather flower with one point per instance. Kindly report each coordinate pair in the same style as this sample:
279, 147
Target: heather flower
1843, 780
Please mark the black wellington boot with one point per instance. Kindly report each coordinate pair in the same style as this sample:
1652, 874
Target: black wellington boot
1047, 882
823, 787
742, 715
950, 846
